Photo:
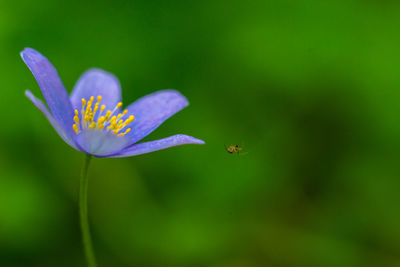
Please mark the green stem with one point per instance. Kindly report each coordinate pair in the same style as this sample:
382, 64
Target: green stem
87, 241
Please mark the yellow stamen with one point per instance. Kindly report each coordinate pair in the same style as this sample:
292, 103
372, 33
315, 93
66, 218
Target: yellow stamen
96, 107
109, 122
108, 114
92, 125
76, 120
75, 128
102, 107
124, 133
101, 119
129, 120
83, 111
89, 104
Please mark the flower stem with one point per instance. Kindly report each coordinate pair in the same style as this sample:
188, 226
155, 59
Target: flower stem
87, 241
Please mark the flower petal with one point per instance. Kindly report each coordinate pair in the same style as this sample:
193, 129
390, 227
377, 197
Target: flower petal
96, 82
152, 110
39, 104
52, 88
147, 147
100, 143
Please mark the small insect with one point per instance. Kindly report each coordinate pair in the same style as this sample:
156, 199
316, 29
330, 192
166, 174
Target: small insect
235, 148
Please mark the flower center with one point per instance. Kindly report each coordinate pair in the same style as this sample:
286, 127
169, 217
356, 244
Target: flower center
91, 120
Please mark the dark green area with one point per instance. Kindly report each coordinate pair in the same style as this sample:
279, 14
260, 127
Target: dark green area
310, 87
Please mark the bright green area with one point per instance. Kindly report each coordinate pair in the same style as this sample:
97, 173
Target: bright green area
312, 88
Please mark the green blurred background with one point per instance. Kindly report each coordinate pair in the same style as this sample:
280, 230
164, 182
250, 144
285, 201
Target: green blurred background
310, 87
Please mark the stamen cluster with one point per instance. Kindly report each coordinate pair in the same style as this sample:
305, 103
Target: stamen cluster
109, 122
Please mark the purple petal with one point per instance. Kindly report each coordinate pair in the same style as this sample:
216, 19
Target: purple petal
100, 143
148, 147
96, 82
152, 110
52, 88
39, 104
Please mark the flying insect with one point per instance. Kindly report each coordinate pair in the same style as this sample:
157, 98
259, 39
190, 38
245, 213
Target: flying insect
235, 149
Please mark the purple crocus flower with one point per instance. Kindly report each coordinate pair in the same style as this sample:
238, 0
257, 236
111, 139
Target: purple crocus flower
91, 119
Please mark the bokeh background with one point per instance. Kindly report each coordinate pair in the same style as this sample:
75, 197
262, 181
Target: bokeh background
310, 87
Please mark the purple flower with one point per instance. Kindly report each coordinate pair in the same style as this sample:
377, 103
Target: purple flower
91, 119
